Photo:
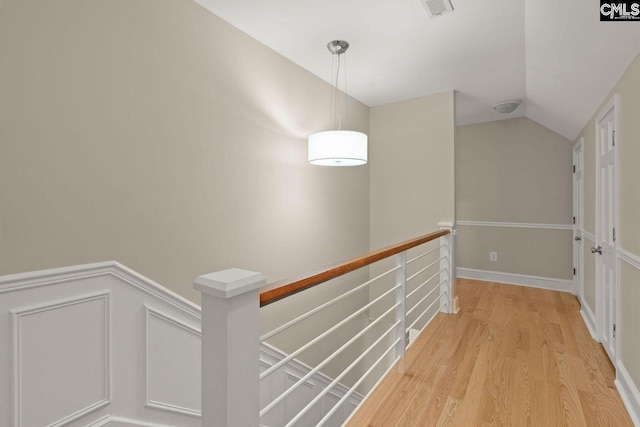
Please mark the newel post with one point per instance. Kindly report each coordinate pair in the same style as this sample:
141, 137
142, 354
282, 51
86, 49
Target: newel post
448, 267
230, 347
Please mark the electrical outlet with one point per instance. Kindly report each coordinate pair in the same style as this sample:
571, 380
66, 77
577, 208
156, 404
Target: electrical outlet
493, 256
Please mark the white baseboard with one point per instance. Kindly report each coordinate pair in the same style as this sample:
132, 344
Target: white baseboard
553, 284
589, 320
628, 392
111, 421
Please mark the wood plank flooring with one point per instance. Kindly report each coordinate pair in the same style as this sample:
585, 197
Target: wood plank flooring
512, 356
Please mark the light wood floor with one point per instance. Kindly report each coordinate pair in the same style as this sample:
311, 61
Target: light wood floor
512, 356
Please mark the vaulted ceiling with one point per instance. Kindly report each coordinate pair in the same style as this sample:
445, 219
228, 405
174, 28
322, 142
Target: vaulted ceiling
554, 55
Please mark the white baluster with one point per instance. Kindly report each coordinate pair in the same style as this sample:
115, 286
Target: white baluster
401, 313
230, 347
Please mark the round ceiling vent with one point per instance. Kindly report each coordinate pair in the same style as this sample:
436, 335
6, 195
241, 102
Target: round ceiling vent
506, 107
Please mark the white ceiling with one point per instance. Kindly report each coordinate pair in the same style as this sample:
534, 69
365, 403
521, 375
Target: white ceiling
554, 55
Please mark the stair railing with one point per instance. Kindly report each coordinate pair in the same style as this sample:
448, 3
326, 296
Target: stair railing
231, 300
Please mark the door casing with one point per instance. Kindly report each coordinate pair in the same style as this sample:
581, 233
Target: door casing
603, 305
578, 215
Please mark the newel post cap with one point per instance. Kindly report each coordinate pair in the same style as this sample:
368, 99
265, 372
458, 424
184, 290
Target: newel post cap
229, 283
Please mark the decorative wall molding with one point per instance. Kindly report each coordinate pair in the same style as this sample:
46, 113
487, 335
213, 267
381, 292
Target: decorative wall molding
128, 293
111, 421
295, 378
103, 421
554, 284
515, 225
629, 257
42, 278
141, 306
152, 288
19, 316
628, 392
181, 327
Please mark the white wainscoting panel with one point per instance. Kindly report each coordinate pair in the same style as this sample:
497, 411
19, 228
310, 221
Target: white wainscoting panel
173, 364
101, 345
304, 394
75, 349
61, 360
551, 283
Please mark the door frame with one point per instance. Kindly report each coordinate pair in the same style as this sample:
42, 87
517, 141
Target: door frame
578, 226
601, 327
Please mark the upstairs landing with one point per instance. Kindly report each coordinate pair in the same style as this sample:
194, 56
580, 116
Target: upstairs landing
512, 356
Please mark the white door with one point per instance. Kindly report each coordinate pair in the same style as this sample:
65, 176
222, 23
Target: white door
606, 221
578, 209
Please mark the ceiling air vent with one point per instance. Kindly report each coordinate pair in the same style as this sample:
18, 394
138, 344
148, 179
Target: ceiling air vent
436, 8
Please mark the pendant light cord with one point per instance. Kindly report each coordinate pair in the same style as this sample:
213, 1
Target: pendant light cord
335, 113
338, 117
332, 92
346, 92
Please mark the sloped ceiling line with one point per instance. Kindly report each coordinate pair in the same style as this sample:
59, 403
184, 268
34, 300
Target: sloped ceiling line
556, 56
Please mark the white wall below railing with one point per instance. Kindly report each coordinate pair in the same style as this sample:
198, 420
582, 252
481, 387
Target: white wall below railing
292, 372
88, 342
100, 345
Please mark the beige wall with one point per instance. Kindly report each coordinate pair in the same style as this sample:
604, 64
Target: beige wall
155, 134
629, 142
411, 184
589, 176
412, 168
514, 171
628, 90
411, 173
534, 252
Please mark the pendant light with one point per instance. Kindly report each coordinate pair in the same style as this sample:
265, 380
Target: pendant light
337, 147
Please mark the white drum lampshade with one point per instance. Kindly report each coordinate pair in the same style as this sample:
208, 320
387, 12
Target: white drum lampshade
338, 148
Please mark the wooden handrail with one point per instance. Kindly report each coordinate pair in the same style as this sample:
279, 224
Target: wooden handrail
284, 288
